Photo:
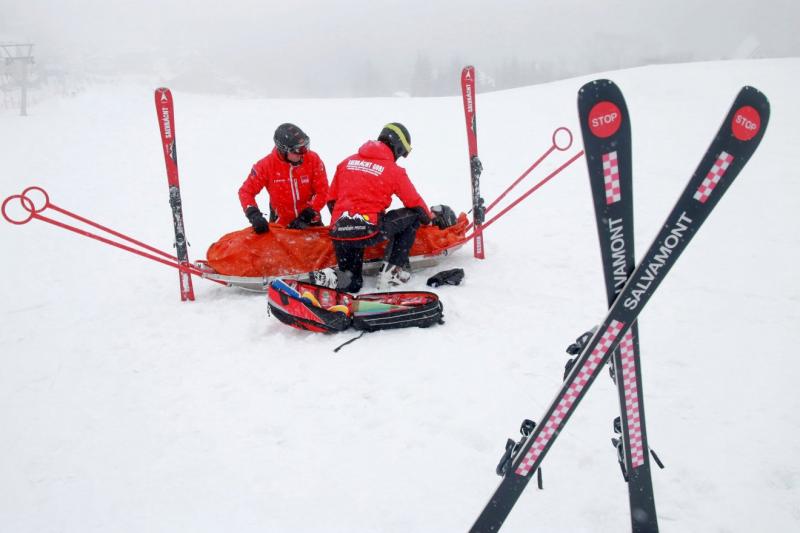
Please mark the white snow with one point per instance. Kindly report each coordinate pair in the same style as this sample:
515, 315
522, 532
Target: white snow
123, 409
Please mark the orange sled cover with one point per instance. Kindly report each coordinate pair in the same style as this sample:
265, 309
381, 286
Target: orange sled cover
284, 252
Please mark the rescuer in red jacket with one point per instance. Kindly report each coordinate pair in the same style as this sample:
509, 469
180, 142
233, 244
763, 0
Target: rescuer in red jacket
361, 191
295, 180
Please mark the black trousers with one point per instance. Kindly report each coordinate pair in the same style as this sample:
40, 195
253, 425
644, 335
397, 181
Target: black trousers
398, 226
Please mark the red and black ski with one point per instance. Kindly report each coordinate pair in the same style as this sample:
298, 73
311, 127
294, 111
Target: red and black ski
606, 127
478, 209
734, 144
166, 123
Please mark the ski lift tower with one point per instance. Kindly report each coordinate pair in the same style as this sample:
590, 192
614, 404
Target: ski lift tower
18, 57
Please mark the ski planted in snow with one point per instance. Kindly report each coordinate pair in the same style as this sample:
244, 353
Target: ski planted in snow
166, 123
606, 127
475, 166
734, 144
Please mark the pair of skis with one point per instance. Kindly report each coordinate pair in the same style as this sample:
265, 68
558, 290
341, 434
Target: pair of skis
166, 122
606, 133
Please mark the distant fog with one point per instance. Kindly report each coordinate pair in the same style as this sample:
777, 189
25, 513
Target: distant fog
319, 48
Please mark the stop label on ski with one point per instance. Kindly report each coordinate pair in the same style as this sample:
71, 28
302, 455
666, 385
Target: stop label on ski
746, 123
605, 119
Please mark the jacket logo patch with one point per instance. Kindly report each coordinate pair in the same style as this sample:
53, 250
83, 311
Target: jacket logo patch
352, 227
365, 166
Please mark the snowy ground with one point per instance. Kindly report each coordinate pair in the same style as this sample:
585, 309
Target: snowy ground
123, 409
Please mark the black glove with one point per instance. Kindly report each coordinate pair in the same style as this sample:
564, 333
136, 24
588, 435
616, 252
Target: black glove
447, 277
423, 217
443, 216
305, 219
308, 215
257, 219
297, 224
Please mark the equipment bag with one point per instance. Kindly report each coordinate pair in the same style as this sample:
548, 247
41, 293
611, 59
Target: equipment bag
309, 307
316, 308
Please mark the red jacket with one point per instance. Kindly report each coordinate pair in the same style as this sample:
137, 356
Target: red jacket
365, 182
291, 189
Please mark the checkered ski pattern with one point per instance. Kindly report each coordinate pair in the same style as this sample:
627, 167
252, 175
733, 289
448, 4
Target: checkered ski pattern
717, 171
611, 178
564, 406
631, 387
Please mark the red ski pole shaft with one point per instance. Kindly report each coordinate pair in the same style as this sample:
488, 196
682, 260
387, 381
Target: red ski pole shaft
519, 179
522, 177
174, 264
30, 206
112, 232
34, 212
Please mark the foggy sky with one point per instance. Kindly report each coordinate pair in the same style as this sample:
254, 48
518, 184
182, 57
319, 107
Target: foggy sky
319, 48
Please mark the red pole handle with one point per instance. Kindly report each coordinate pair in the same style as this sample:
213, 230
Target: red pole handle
22, 199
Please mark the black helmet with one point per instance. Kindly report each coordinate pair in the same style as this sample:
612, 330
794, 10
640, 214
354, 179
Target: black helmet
396, 137
290, 138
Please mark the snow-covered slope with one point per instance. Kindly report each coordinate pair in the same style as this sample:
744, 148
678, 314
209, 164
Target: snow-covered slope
123, 409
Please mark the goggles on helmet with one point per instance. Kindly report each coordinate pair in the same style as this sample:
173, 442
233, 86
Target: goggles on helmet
299, 150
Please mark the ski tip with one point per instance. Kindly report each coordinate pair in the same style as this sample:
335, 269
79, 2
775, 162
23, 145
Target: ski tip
602, 111
163, 95
597, 84
748, 91
750, 88
749, 115
599, 88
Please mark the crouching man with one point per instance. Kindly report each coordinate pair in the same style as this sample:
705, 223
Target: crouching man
359, 195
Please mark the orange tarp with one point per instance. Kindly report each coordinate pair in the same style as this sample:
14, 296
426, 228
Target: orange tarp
283, 252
